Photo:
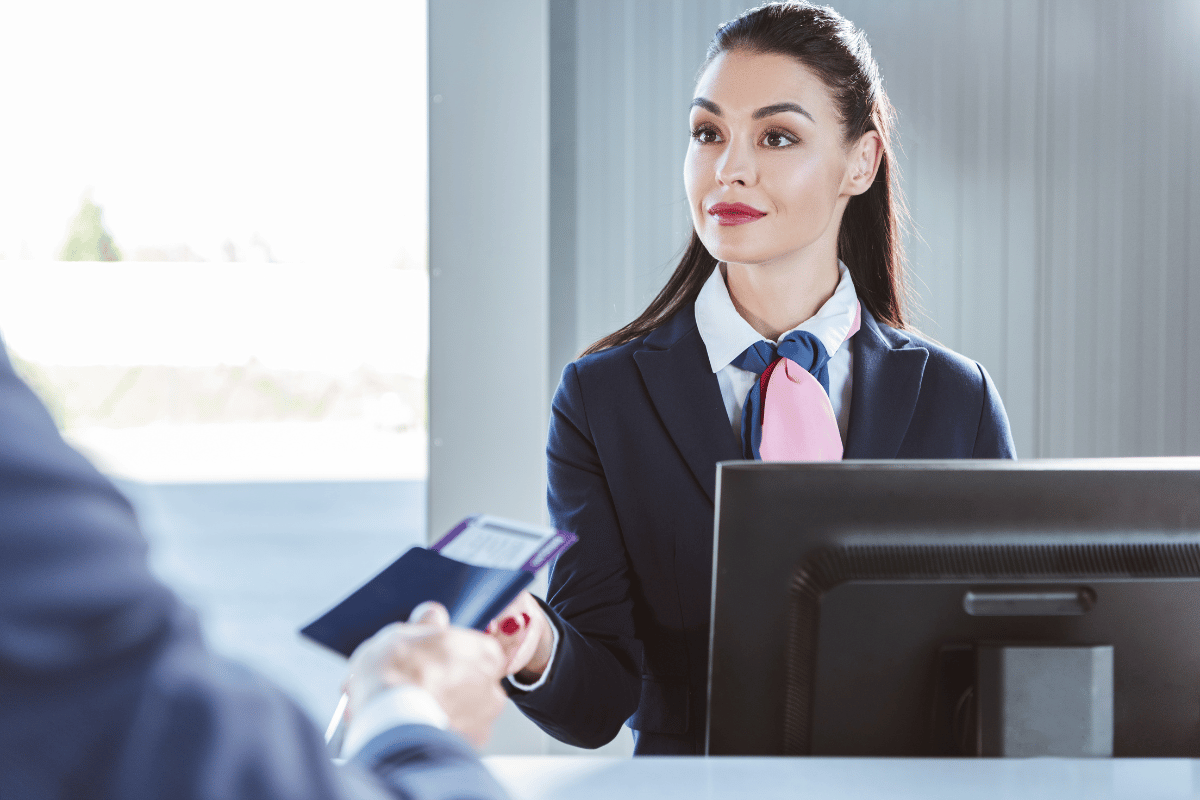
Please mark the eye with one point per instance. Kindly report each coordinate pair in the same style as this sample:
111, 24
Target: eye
779, 139
705, 134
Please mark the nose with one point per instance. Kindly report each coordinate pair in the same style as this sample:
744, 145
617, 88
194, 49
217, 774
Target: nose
736, 166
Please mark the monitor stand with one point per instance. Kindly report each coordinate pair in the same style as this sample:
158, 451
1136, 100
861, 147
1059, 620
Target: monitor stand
1024, 700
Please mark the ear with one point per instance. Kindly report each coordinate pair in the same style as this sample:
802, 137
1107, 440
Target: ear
863, 163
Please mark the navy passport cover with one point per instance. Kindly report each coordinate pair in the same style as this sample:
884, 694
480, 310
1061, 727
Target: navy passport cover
473, 595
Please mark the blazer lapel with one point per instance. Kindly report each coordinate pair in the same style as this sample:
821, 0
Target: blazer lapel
887, 381
684, 390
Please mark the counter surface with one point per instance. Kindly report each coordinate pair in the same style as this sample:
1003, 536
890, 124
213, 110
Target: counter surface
696, 778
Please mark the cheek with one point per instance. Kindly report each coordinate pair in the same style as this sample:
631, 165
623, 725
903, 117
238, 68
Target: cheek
810, 185
694, 169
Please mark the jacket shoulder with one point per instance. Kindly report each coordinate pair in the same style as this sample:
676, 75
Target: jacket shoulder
943, 362
607, 362
955, 387
618, 361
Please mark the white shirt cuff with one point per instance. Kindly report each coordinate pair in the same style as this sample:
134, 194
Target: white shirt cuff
399, 705
529, 687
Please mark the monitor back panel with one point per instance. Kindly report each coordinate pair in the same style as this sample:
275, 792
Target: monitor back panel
807, 657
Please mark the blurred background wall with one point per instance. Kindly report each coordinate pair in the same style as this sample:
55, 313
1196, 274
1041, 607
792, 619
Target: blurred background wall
1047, 152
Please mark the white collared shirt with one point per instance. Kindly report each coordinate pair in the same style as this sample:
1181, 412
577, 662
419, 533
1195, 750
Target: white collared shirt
726, 335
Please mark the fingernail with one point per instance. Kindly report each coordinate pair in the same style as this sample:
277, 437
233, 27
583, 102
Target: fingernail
526, 618
509, 626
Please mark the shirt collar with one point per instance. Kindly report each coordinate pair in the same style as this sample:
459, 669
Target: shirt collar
726, 335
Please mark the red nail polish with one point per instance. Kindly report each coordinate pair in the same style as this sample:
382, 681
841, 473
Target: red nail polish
509, 626
526, 618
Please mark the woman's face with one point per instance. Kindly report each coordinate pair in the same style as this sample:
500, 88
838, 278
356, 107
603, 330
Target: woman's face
767, 172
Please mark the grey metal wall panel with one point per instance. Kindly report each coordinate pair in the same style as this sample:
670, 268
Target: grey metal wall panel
563, 311
1020, 360
1190, 212
1047, 163
601, 223
1064, 68
1105, 182
488, 287
1182, 259
1115, 315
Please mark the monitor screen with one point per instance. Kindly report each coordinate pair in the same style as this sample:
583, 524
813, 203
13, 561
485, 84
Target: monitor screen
878, 608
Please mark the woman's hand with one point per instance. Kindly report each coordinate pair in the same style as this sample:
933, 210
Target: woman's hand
525, 637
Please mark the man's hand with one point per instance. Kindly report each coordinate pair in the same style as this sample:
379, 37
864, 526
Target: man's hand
460, 668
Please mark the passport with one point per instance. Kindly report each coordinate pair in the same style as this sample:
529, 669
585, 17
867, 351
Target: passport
475, 571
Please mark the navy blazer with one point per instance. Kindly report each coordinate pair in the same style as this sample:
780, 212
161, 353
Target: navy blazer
106, 687
635, 435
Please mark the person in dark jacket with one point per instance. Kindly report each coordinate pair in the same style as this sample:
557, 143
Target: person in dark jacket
781, 335
107, 689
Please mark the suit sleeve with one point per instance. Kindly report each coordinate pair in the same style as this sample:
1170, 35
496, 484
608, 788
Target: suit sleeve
993, 439
420, 762
106, 685
595, 681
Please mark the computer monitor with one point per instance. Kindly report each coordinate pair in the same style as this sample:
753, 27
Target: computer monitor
858, 606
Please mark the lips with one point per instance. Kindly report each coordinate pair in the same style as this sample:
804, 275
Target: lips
735, 213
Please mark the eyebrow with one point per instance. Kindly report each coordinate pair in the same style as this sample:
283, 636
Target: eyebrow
765, 111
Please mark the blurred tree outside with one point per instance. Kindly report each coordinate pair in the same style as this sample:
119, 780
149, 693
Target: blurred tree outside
87, 238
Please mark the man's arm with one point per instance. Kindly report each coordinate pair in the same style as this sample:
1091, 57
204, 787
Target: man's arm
106, 685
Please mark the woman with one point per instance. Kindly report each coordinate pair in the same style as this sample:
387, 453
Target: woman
790, 181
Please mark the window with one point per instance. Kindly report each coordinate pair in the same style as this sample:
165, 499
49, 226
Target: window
213, 269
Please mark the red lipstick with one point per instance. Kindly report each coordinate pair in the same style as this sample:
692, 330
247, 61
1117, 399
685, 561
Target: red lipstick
735, 213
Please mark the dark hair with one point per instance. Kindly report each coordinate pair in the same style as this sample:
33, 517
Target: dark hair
869, 240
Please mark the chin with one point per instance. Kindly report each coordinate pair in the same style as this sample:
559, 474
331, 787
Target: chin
732, 254
742, 245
